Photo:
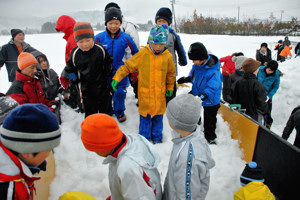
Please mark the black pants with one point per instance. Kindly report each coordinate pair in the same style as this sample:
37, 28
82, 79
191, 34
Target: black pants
210, 122
268, 118
98, 105
225, 90
173, 95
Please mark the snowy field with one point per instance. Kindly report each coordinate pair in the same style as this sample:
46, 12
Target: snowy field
80, 170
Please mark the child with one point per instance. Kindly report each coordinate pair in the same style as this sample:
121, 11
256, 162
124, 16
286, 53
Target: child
50, 81
269, 76
279, 48
26, 88
252, 182
249, 92
237, 75
90, 65
164, 16
190, 161
156, 80
132, 159
117, 42
286, 51
207, 84
27, 136
293, 122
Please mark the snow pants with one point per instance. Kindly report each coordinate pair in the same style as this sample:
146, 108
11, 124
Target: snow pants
119, 100
210, 122
151, 127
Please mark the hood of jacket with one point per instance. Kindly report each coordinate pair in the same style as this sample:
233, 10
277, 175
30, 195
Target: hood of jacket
139, 150
65, 24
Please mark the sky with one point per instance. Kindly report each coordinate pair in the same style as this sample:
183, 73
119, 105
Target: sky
142, 11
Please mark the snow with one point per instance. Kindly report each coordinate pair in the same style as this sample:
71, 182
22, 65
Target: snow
80, 170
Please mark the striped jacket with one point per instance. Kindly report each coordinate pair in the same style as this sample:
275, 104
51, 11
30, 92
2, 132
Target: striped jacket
188, 173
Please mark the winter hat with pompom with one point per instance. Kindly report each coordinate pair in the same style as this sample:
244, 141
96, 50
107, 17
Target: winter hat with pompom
252, 172
238, 60
183, 112
100, 133
30, 128
25, 60
159, 34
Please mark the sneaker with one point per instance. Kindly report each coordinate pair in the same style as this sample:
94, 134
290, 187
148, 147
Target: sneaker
121, 118
157, 141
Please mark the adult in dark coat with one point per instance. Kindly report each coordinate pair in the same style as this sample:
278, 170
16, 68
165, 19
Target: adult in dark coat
9, 52
293, 122
49, 78
249, 92
264, 54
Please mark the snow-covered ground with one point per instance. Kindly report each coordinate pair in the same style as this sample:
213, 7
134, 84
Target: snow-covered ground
80, 170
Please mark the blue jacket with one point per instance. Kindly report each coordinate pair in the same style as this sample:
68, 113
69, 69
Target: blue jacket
207, 81
271, 82
117, 47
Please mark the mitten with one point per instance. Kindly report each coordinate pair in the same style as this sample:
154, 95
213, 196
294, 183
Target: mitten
184, 80
114, 84
169, 93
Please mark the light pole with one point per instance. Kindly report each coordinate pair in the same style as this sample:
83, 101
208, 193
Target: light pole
173, 11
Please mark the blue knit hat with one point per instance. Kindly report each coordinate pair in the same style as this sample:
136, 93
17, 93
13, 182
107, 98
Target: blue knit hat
30, 128
159, 34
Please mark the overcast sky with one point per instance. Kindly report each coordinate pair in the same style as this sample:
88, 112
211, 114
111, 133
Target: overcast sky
140, 11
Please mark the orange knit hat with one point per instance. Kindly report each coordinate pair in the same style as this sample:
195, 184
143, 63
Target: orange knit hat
25, 60
83, 30
100, 133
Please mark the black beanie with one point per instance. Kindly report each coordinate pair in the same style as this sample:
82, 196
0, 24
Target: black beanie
15, 32
252, 172
112, 5
264, 45
113, 13
197, 51
273, 65
164, 13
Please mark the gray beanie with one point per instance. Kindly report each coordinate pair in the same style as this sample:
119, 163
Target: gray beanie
238, 61
183, 112
7, 104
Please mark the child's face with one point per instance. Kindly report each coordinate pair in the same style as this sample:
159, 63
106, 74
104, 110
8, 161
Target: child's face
113, 26
158, 47
198, 62
85, 44
34, 160
30, 71
269, 71
43, 63
162, 21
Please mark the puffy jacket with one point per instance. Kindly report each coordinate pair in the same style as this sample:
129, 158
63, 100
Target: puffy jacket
132, 30
133, 172
66, 24
233, 78
16, 179
156, 75
93, 69
9, 55
117, 48
174, 44
26, 89
50, 81
294, 121
286, 51
271, 82
207, 81
251, 94
189, 153
263, 58
229, 66
254, 191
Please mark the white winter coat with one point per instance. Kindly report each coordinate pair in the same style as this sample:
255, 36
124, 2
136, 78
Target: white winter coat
127, 172
188, 173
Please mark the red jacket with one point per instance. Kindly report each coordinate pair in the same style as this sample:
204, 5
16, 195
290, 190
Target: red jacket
229, 66
26, 89
66, 24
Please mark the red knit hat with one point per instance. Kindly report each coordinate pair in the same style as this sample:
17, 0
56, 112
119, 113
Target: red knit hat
83, 30
100, 133
25, 60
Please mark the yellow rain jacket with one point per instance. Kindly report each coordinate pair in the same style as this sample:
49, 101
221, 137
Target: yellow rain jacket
286, 51
254, 191
156, 75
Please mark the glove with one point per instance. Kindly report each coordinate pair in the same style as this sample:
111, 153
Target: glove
184, 80
169, 93
203, 96
114, 84
72, 76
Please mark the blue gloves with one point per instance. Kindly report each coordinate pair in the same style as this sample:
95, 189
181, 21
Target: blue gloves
72, 76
